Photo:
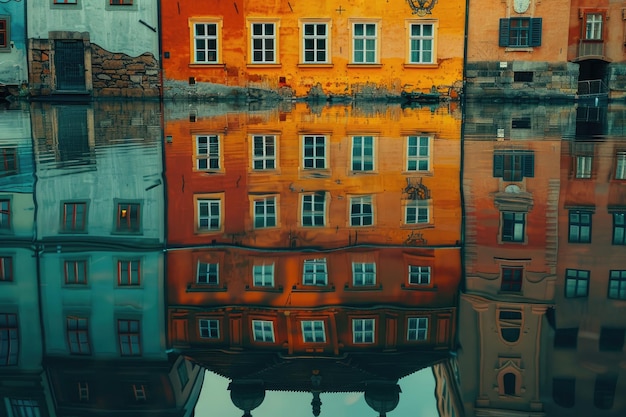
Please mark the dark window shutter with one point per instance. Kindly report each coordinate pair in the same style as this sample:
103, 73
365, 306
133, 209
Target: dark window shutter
504, 32
529, 166
498, 165
535, 31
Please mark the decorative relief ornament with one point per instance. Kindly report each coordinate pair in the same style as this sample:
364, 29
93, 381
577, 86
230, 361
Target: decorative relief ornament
520, 6
422, 7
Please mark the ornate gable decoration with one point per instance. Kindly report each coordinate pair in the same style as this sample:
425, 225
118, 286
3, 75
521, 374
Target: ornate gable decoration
422, 7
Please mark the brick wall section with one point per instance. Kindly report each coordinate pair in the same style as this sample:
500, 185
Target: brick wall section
39, 73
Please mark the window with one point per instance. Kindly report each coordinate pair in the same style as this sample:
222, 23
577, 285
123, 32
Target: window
509, 382
128, 217
122, 2
620, 165
207, 273
580, 226
83, 391
208, 152
265, 212
513, 225
139, 390
566, 338
205, 43
523, 76
9, 341
65, 1
617, 284
619, 228
263, 331
513, 165
362, 153
128, 334
564, 391
263, 275
511, 279
583, 154
604, 391
8, 156
209, 214
510, 324
593, 26
315, 43
75, 272
576, 283
361, 211
315, 272
25, 408
418, 153
417, 328
313, 331
364, 40
363, 274
263, 152
183, 374
313, 209
612, 339
422, 40
209, 329
264, 42
5, 34
78, 335
363, 330
5, 214
6, 269
128, 272
419, 275
74, 217
520, 32
417, 212
314, 152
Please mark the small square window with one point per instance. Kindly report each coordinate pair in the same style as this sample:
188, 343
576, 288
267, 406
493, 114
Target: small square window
209, 329
128, 217
576, 283
363, 274
566, 338
75, 272
417, 212
209, 215
74, 217
208, 273
419, 275
417, 328
580, 226
511, 279
617, 284
314, 272
263, 331
612, 339
361, 211
313, 331
263, 275
129, 272
314, 152
363, 330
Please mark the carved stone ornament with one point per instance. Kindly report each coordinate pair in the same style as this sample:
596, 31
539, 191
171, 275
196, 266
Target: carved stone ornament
422, 7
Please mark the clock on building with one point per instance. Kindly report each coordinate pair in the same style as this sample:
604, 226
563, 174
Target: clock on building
520, 6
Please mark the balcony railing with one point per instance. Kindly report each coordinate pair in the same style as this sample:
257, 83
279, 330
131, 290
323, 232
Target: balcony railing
588, 49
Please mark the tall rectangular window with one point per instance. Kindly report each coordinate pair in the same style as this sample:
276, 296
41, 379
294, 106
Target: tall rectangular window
208, 152
617, 284
511, 279
419, 275
422, 40
9, 340
208, 273
205, 43
619, 228
315, 43
129, 272
209, 214
263, 331
6, 269
128, 217
576, 283
520, 32
513, 165
580, 226
5, 33
5, 214
75, 272
314, 272
418, 153
8, 156
361, 211
611, 339
593, 26
264, 41
265, 212
263, 152
363, 274
620, 165
263, 275
363, 330
209, 328
364, 40
74, 217
313, 331
78, 335
313, 209
513, 226
417, 328
362, 153
129, 337
417, 212
314, 152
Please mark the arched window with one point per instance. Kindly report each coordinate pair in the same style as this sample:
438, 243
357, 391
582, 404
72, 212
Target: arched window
510, 323
509, 381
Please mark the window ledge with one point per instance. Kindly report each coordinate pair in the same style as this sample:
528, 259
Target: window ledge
263, 65
356, 65
417, 226
265, 289
520, 49
313, 288
420, 173
418, 287
207, 65
313, 65
429, 65
205, 288
358, 288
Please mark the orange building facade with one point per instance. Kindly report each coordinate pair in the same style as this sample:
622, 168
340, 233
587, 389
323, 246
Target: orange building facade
317, 49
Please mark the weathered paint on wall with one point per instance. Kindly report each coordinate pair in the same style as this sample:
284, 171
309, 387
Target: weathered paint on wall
289, 74
13, 67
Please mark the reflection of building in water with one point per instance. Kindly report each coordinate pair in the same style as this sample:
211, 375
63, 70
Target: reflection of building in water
511, 203
448, 388
325, 244
585, 372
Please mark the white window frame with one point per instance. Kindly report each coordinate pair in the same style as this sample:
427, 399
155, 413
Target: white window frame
207, 325
421, 39
211, 217
311, 331
212, 269
364, 38
417, 212
362, 154
417, 329
315, 37
315, 272
263, 275
584, 166
263, 37
263, 331
314, 159
363, 274
206, 38
265, 212
313, 213
360, 218
208, 152
420, 275
363, 331
264, 157
620, 165
418, 153
593, 26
